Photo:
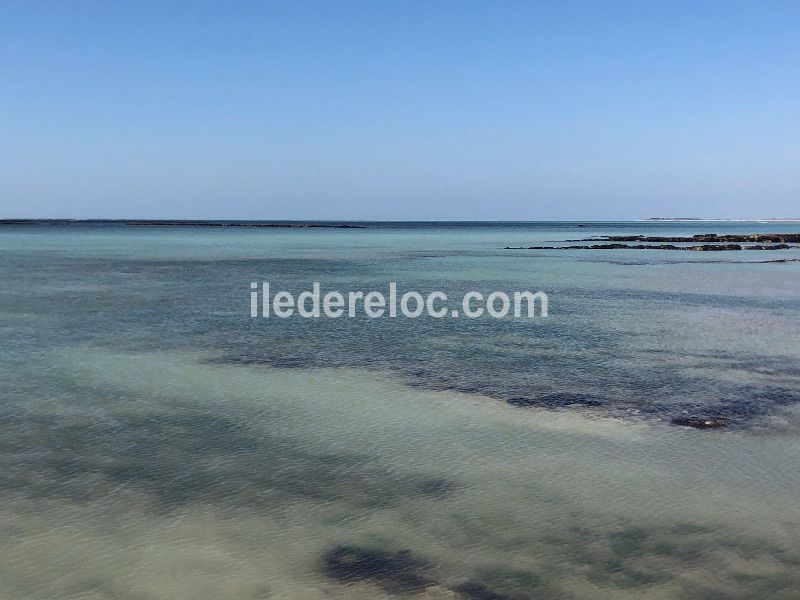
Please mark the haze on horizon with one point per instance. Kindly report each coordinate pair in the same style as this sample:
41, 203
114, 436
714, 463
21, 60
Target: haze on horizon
399, 111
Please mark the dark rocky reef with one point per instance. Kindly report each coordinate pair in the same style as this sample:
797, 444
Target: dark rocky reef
396, 572
698, 248
704, 242
733, 413
784, 238
700, 422
557, 400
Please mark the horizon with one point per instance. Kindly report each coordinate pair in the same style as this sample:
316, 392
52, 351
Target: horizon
413, 112
154, 221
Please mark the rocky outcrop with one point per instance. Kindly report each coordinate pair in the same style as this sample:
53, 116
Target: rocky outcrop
790, 238
617, 246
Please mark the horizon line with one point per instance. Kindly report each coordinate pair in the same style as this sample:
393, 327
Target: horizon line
149, 221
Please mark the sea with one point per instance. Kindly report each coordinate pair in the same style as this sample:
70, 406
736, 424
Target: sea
159, 443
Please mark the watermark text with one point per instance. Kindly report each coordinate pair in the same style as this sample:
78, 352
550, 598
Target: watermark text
311, 304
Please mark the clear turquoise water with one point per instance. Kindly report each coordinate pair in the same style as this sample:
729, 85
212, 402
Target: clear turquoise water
159, 443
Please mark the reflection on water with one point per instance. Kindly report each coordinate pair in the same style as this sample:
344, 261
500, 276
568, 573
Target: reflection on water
157, 444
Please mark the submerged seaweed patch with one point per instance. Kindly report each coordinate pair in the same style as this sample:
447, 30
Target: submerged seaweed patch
503, 582
402, 572
629, 557
475, 590
187, 457
398, 571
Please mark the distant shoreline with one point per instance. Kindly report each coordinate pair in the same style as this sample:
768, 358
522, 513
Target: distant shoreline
183, 223
696, 219
356, 224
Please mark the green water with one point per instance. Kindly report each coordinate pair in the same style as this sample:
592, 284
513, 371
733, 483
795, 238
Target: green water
158, 443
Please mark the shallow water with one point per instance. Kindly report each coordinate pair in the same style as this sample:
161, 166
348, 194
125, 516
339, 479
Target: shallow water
159, 443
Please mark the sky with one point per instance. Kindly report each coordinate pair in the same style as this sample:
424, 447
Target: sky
410, 110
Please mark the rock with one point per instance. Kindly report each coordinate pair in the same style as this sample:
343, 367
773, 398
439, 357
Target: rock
397, 571
699, 422
762, 247
709, 237
620, 246
475, 590
711, 248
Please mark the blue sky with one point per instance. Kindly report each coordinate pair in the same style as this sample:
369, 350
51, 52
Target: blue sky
399, 110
